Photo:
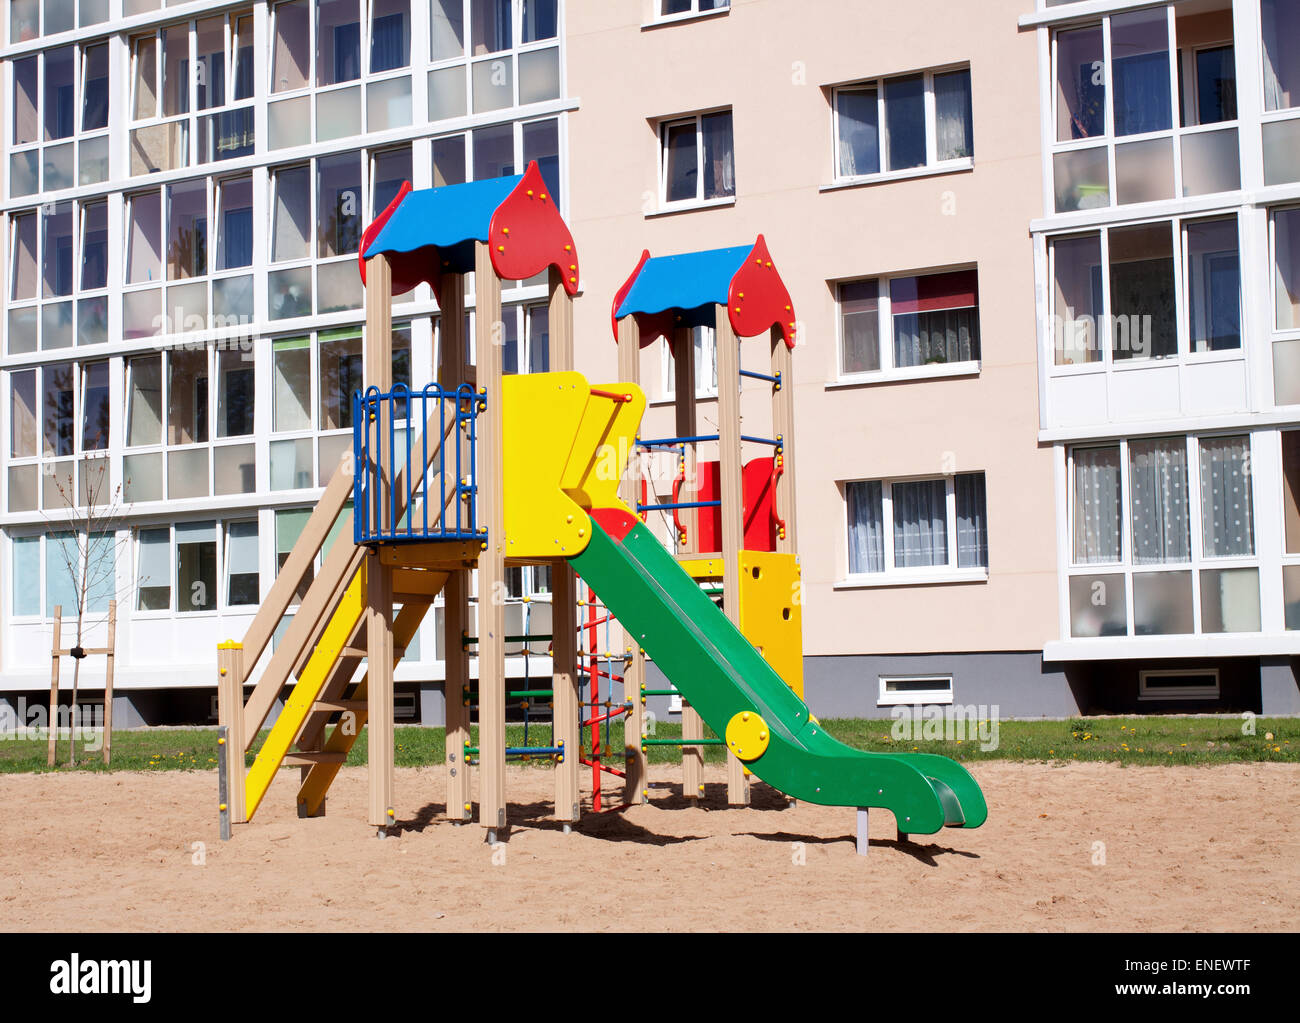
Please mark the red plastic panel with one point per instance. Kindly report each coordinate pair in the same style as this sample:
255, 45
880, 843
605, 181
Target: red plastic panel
758, 299
527, 234
756, 484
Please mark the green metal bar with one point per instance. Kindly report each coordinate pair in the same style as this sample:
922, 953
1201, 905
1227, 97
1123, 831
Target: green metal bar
524, 693
659, 692
683, 742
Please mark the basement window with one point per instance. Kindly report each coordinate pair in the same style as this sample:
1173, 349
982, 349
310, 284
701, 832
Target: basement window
1177, 684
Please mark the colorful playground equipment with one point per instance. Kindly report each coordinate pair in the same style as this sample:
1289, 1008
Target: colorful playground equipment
479, 471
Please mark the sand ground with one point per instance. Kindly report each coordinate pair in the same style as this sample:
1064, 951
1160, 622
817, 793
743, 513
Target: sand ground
1198, 849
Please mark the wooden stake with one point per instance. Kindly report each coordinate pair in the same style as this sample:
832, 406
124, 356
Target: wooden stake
687, 421
566, 713
451, 374
108, 682
732, 496
230, 715
492, 562
635, 784
54, 685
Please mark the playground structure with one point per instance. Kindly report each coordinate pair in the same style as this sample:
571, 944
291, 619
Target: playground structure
479, 471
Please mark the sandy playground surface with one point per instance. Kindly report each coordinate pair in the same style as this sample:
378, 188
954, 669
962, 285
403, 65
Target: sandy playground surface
1186, 848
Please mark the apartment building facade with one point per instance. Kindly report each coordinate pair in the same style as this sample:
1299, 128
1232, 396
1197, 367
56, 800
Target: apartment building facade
1167, 268
186, 185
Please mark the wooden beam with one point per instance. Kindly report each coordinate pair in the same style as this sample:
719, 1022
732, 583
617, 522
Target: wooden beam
54, 687
435, 554
564, 599
687, 419
732, 496
310, 758
379, 577
636, 784
108, 682
492, 562
452, 372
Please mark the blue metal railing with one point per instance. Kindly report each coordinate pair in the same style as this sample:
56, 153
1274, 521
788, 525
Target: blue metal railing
412, 489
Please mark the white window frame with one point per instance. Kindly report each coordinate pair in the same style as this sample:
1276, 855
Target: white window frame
885, 335
698, 202
705, 387
1210, 691
941, 694
932, 164
660, 18
1104, 328
929, 574
1198, 560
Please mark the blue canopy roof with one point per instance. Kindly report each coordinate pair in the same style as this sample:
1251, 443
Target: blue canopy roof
684, 282
447, 217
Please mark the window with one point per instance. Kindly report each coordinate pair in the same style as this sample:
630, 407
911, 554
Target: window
500, 150
674, 8
317, 210
153, 569
914, 689
706, 364
289, 524
313, 380
901, 123
932, 322
1174, 516
357, 53
1156, 281
698, 163
1121, 114
1280, 22
67, 556
919, 528
502, 67
59, 116
57, 276
196, 567
1285, 235
1291, 527
30, 19
1177, 684
241, 564
192, 92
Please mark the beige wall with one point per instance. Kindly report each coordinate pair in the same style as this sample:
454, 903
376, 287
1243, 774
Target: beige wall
752, 59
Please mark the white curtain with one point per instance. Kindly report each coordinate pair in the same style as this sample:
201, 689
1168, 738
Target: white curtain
1226, 509
920, 523
942, 336
1096, 506
866, 528
1161, 525
859, 132
952, 116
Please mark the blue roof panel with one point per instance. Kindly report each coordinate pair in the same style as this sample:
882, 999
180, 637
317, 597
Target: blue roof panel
444, 217
687, 281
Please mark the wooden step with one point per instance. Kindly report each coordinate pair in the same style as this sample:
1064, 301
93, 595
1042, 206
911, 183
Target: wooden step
330, 706
308, 759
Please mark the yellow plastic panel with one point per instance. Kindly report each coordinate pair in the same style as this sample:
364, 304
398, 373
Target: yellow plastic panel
541, 414
306, 691
771, 614
605, 442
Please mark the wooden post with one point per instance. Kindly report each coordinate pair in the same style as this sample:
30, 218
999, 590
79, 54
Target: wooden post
54, 685
566, 712
636, 784
108, 682
492, 562
687, 425
379, 577
731, 494
230, 716
451, 374
783, 427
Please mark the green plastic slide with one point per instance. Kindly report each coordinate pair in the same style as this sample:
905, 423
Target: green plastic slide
711, 663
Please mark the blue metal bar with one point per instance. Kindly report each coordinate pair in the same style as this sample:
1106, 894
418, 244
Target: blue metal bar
763, 440
761, 376
672, 442
678, 504
516, 751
